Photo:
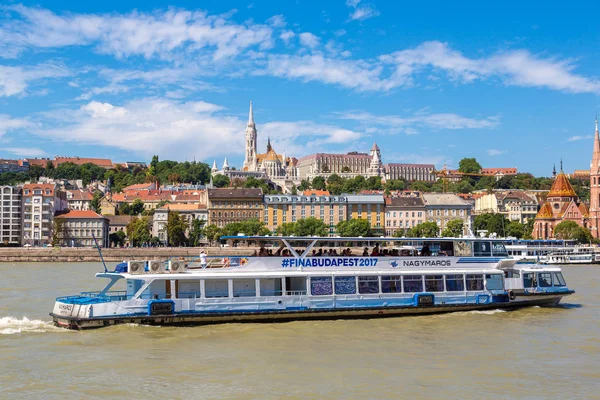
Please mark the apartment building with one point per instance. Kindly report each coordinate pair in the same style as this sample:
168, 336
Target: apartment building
40, 203
227, 205
81, 227
10, 215
403, 212
79, 199
189, 212
442, 208
367, 206
281, 209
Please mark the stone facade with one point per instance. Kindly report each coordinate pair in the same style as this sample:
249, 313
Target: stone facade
281, 209
516, 205
229, 205
594, 212
189, 212
443, 208
403, 212
10, 215
81, 227
369, 207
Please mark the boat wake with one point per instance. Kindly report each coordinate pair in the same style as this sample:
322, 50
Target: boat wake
12, 326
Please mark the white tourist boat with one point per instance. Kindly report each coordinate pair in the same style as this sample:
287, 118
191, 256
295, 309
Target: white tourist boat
316, 278
573, 255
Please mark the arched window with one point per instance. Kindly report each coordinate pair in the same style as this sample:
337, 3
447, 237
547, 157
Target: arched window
256, 214
219, 214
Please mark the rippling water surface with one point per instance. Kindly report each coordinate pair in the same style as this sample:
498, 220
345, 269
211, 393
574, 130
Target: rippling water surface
534, 353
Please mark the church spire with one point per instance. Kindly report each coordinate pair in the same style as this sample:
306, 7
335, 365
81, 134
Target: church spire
269, 144
596, 141
250, 116
554, 171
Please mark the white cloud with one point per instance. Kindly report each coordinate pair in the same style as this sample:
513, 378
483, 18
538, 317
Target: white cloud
361, 11
576, 138
7, 123
181, 130
15, 80
162, 34
286, 36
495, 152
309, 40
392, 124
516, 68
347, 73
277, 21
25, 151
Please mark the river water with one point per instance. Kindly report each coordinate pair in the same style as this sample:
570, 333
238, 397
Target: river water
534, 353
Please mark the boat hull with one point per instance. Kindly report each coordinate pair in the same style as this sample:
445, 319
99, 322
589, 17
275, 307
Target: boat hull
208, 318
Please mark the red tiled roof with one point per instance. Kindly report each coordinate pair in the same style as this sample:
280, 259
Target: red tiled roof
316, 193
81, 214
494, 171
101, 162
80, 195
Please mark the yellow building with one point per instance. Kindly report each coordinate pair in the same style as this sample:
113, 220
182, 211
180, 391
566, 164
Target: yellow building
281, 209
370, 207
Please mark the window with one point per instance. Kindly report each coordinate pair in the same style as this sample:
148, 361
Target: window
244, 287
482, 249
391, 284
321, 286
368, 284
455, 283
545, 279
345, 285
498, 249
434, 283
270, 287
474, 282
494, 282
413, 283
216, 288
559, 280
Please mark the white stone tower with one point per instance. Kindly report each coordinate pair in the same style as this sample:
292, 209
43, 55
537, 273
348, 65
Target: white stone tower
250, 163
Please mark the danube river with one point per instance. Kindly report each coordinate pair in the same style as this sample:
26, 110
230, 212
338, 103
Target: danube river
535, 353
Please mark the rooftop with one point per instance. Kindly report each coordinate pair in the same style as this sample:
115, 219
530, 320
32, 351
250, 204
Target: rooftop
81, 214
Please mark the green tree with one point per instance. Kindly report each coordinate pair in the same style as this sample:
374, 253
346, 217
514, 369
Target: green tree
469, 165
95, 203
60, 233
453, 228
176, 228
392, 185
212, 232
196, 231
311, 226
304, 185
425, 229
570, 230
117, 238
516, 229
374, 183
286, 229
137, 207
220, 181
36, 171
138, 231
400, 232
354, 228
335, 179
318, 183
493, 223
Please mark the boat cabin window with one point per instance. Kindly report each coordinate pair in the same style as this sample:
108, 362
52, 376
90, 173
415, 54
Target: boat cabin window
434, 283
321, 286
494, 282
463, 248
391, 284
413, 283
295, 286
244, 287
482, 249
368, 284
512, 274
189, 289
270, 287
529, 280
559, 280
345, 285
455, 283
474, 282
545, 279
216, 288
498, 249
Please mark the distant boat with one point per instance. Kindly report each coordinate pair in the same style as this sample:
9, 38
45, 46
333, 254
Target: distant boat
412, 276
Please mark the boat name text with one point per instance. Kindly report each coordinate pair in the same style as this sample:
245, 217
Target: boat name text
328, 262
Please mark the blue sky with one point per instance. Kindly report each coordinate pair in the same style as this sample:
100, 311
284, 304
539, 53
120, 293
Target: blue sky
511, 84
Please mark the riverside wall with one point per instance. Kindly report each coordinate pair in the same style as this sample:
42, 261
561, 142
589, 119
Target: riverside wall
84, 254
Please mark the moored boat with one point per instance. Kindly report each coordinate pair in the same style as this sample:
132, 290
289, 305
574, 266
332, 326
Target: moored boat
301, 281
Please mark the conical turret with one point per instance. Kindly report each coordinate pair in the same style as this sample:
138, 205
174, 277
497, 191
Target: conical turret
250, 116
214, 167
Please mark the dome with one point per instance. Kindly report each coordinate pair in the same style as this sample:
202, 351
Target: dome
545, 212
561, 187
